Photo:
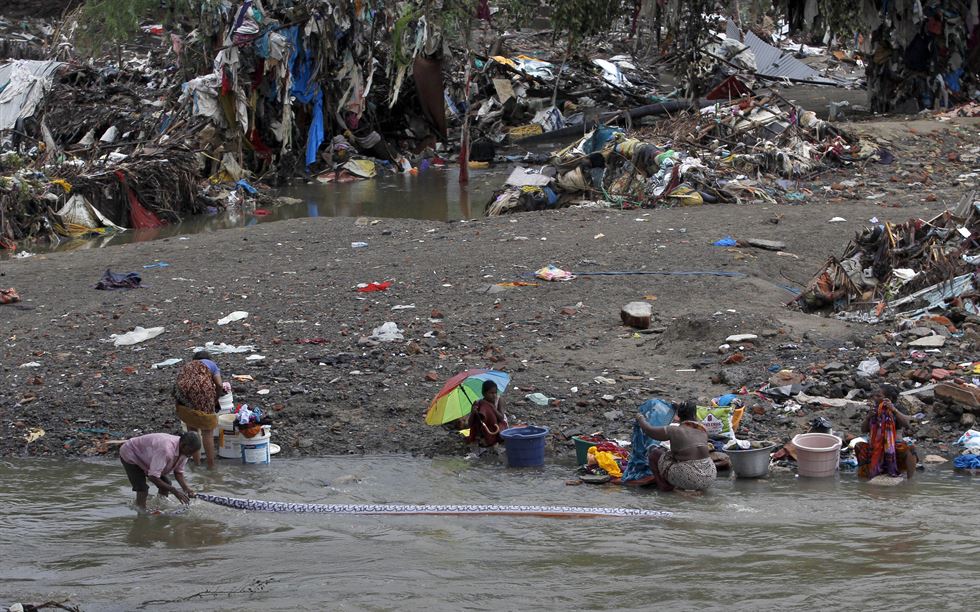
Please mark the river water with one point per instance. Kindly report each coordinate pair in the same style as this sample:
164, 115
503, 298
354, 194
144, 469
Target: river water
435, 194
780, 543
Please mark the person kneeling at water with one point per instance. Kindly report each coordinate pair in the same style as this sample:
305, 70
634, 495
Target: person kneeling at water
487, 418
687, 464
152, 457
886, 453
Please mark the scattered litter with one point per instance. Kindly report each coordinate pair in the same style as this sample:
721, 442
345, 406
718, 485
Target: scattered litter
372, 287
139, 334
552, 272
388, 332
224, 349
538, 398
238, 315
166, 363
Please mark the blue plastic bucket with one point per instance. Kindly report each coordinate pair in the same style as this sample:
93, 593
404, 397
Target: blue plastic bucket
525, 445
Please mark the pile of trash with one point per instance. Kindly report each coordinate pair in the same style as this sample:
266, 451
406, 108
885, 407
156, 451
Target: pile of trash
905, 270
89, 151
708, 155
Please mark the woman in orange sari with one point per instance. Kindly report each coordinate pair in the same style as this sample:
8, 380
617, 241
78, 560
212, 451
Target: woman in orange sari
885, 452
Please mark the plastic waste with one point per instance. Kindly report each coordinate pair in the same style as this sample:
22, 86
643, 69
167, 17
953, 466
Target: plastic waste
222, 349
139, 334
388, 332
727, 241
358, 245
238, 315
970, 439
538, 398
868, 367
551, 272
166, 363
371, 287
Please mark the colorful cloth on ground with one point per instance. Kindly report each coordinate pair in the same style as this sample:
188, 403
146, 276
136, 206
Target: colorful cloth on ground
157, 454
862, 452
882, 441
693, 475
658, 413
195, 419
195, 388
256, 505
607, 461
967, 462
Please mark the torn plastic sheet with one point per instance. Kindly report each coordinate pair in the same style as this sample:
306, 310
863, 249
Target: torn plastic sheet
23, 84
611, 73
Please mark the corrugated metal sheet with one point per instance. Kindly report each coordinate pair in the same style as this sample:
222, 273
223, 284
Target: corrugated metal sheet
776, 63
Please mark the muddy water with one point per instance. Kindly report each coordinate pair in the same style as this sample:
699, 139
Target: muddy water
781, 543
435, 194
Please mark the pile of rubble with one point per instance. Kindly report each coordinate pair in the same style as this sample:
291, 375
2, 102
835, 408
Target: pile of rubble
906, 271
708, 155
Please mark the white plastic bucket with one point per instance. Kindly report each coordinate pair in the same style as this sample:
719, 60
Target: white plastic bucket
226, 403
229, 441
817, 454
257, 448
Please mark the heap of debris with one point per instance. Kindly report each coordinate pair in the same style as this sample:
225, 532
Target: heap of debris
702, 156
906, 271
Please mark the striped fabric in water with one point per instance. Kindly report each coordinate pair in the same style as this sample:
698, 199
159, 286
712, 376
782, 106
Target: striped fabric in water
255, 505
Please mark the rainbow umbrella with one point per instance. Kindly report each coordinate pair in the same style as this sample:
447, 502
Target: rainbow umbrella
460, 392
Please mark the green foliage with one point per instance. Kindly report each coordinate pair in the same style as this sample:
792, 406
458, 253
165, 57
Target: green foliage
842, 18
580, 18
103, 24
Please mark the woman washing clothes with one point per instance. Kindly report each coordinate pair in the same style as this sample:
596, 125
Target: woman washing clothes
487, 419
885, 453
196, 392
687, 464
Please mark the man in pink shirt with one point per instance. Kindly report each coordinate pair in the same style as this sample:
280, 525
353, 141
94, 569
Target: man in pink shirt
152, 457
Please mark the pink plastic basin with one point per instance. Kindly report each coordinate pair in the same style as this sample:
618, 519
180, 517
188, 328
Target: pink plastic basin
817, 454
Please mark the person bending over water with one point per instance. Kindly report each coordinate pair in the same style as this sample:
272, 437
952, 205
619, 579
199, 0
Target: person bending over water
196, 393
152, 457
687, 464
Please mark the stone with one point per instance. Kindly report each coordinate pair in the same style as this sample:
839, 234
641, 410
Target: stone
613, 415
941, 374
741, 338
769, 245
737, 376
934, 459
968, 419
431, 376
833, 366
637, 315
569, 311
964, 396
920, 332
929, 342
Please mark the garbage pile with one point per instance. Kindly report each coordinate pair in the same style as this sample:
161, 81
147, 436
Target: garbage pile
906, 270
705, 156
90, 150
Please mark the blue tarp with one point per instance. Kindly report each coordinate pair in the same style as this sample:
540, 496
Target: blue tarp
305, 90
659, 414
